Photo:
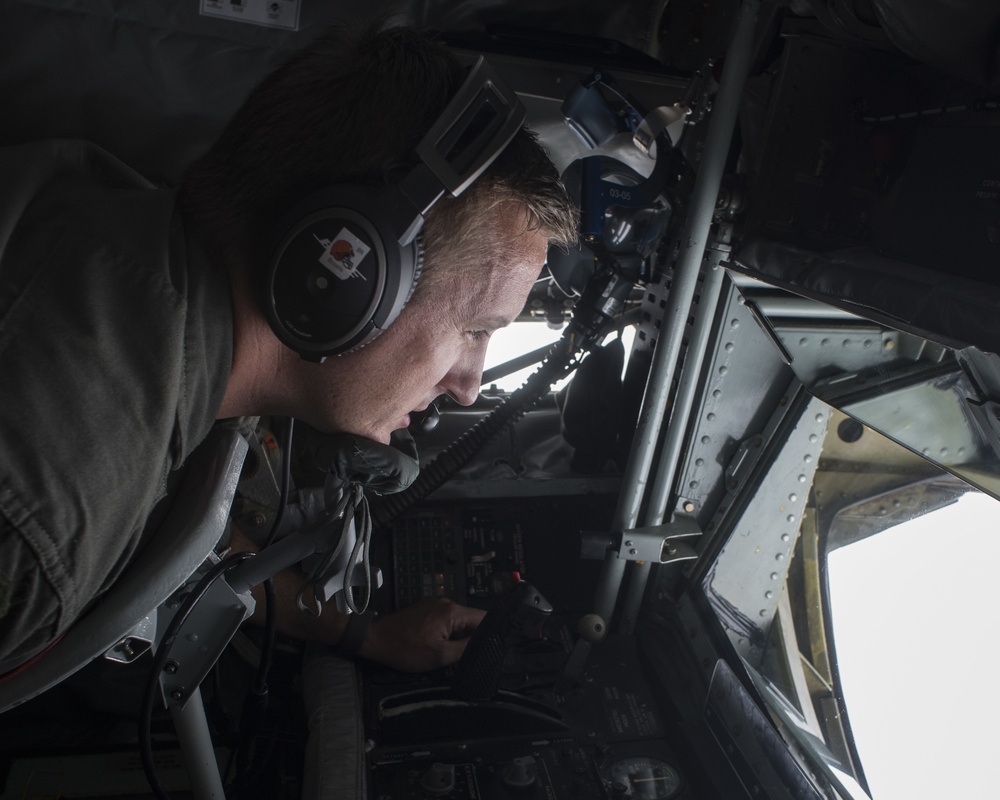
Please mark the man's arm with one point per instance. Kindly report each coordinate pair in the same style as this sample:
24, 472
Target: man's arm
429, 634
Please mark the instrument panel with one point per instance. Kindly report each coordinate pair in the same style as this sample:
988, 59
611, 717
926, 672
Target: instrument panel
571, 719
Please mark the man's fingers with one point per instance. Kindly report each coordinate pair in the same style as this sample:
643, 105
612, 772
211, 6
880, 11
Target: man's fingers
464, 620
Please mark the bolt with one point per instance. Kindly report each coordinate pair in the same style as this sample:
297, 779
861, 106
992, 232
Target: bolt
171, 667
177, 694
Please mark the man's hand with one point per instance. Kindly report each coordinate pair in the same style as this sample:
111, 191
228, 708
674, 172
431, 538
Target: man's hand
427, 635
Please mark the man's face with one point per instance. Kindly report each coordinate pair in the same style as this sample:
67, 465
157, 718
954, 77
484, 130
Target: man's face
436, 346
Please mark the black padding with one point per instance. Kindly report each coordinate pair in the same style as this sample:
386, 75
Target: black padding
952, 310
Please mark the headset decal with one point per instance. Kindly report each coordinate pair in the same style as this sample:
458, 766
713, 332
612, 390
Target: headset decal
343, 255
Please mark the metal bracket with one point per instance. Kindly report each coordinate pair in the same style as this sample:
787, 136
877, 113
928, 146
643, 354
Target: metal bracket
135, 643
202, 637
661, 544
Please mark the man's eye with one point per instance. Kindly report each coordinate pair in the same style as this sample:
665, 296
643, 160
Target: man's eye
479, 335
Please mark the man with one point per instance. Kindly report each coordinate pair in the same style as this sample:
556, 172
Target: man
132, 318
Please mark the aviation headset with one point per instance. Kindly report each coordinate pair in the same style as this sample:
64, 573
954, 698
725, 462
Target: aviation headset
348, 256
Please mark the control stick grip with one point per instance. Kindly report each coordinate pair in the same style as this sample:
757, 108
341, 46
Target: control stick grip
477, 675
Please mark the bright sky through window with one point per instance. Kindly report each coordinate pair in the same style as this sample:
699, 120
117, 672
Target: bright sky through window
523, 337
913, 612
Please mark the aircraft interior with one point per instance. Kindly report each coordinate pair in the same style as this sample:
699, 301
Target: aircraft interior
777, 337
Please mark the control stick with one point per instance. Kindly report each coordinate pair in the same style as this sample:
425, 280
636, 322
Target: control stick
477, 675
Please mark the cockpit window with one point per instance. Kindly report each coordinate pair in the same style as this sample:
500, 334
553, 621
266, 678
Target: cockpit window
517, 339
907, 604
521, 339
853, 587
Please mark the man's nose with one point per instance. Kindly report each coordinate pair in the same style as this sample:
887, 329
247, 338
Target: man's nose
464, 379
464, 389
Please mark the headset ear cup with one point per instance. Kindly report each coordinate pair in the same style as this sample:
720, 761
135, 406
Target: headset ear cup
337, 276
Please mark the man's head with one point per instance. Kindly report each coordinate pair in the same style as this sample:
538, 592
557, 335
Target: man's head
437, 345
351, 108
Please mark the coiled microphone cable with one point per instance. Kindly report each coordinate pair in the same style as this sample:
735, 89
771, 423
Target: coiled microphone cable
558, 362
